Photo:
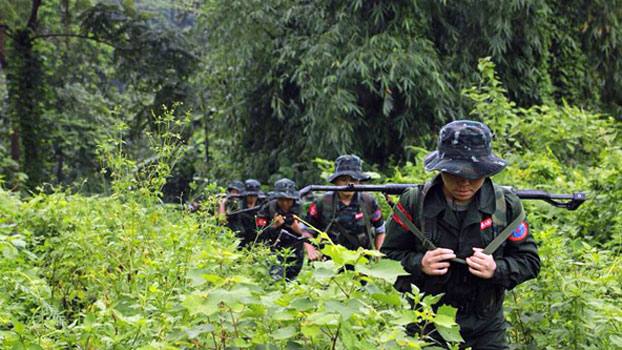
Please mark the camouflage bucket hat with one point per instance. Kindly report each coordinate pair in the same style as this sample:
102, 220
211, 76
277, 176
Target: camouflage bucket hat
252, 187
465, 149
236, 185
350, 165
285, 188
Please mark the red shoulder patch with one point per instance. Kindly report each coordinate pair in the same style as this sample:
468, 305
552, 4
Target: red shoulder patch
520, 233
261, 222
312, 211
484, 224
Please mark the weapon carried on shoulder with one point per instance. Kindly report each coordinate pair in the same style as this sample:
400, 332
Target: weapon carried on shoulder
250, 211
567, 201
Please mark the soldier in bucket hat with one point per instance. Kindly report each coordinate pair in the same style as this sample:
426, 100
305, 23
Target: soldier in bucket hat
231, 203
444, 233
244, 223
279, 229
352, 219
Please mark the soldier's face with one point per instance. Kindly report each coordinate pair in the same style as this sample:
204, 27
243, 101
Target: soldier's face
344, 180
251, 199
234, 191
285, 203
460, 188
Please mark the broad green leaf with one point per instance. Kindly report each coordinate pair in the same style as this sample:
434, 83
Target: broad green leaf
310, 330
241, 343
303, 304
197, 276
340, 255
386, 269
323, 318
196, 331
388, 298
345, 311
284, 333
445, 322
198, 305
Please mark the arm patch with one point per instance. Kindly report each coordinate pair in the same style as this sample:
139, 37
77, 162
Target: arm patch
312, 211
520, 233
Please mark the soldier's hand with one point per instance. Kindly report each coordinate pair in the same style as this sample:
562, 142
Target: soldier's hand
480, 264
312, 253
434, 262
278, 220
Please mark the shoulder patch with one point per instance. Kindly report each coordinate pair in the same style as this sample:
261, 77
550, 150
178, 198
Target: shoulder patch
520, 233
377, 215
312, 211
261, 222
484, 224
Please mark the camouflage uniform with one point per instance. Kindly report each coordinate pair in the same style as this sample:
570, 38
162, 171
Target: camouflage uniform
284, 236
464, 150
354, 225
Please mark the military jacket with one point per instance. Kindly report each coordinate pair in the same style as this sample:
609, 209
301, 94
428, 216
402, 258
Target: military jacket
517, 258
349, 218
274, 236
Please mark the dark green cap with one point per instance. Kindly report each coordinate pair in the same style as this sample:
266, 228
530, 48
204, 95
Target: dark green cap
285, 188
465, 149
350, 165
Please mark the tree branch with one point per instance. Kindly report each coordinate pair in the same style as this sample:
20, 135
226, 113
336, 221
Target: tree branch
75, 35
32, 21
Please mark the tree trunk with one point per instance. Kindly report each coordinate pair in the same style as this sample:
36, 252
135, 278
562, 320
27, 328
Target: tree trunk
25, 93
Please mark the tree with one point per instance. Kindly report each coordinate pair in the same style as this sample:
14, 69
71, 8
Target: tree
372, 77
72, 63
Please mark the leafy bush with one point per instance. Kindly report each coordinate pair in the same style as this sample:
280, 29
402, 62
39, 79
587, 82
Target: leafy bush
125, 271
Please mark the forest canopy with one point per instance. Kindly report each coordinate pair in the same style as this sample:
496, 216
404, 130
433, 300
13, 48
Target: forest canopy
267, 86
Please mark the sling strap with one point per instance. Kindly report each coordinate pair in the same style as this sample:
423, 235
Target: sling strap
367, 219
365, 207
498, 220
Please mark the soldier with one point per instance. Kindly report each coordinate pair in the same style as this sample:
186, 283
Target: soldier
230, 203
461, 211
352, 219
279, 229
244, 223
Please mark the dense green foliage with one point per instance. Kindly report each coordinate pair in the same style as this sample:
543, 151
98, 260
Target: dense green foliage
124, 271
373, 78
263, 80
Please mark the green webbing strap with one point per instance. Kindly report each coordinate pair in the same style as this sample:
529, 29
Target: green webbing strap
334, 224
497, 217
367, 219
427, 244
507, 231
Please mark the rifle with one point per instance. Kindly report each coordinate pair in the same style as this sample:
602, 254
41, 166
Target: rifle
244, 211
567, 201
